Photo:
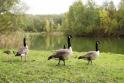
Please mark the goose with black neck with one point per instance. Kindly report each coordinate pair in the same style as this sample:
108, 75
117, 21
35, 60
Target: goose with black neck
63, 54
91, 55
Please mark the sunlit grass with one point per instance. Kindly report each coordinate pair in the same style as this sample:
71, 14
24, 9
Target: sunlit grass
108, 68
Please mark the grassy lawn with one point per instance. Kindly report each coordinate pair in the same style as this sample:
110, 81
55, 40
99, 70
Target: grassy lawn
108, 68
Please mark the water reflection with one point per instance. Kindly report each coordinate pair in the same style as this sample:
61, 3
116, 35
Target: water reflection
39, 42
43, 42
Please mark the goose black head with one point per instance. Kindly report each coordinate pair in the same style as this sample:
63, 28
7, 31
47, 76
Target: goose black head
50, 57
69, 40
98, 42
69, 36
97, 47
79, 57
24, 42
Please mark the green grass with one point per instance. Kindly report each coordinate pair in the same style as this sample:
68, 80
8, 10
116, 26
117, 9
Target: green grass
108, 68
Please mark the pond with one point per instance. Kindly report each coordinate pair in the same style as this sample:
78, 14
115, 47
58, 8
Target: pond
80, 44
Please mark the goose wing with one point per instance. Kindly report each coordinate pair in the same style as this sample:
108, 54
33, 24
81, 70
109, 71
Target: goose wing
23, 50
61, 53
91, 55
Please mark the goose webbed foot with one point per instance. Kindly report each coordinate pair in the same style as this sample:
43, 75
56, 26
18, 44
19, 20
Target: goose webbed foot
89, 62
58, 63
21, 58
64, 62
25, 58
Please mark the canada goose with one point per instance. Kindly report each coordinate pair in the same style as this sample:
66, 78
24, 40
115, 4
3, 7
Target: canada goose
23, 51
8, 52
91, 55
63, 54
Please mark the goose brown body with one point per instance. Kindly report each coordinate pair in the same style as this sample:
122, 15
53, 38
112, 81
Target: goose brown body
91, 55
62, 54
7, 52
23, 51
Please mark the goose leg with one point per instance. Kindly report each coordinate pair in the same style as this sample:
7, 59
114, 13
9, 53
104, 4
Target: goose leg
25, 58
91, 61
8, 58
21, 58
63, 61
88, 62
11, 59
58, 62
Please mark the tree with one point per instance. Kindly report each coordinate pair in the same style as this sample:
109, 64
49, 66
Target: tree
5, 5
81, 19
120, 15
47, 27
10, 21
19, 8
72, 20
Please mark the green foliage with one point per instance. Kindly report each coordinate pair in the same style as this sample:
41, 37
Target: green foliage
20, 22
5, 5
46, 23
7, 23
13, 19
80, 20
120, 16
10, 22
89, 19
74, 17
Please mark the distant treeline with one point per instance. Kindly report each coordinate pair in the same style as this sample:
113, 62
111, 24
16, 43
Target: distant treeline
30, 23
12, 18
81, 20
93, 20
